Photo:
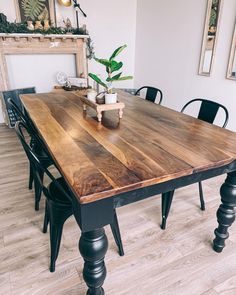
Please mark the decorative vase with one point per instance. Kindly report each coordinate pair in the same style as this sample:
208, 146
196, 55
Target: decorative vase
110, 98
30, 25
38, 25
46, 25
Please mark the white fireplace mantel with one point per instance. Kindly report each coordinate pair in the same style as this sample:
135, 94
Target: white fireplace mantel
14, 44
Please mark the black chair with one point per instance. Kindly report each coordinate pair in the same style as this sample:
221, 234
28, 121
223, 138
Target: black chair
58, 201
207, 112
151, 93
37, 146
15, 97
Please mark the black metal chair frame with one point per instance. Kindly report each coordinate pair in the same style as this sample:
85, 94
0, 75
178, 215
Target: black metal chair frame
151, 93
15, 97
58, 206
207, 112
37, 146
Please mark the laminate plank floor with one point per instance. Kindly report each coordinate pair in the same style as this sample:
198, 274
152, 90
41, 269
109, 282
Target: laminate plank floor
178, 261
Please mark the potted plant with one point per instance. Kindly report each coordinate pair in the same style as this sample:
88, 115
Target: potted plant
112, 66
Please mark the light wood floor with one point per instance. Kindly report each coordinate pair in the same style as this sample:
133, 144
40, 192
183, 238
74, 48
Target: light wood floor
178, 261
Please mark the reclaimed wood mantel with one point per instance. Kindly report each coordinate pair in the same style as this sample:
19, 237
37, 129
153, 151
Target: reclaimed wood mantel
42, 44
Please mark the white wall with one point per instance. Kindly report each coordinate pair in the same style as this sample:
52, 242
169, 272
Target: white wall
168, 44
110, 23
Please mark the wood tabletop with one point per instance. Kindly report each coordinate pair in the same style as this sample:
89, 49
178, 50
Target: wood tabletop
150, 145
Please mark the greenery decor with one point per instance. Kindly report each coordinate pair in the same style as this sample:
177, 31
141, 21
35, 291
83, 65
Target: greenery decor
112, 66
90, 49
21, 28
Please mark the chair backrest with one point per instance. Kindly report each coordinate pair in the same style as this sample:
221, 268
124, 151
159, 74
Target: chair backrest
17, 111
15, 96
23, 117
21, 128
151, 94
208, 110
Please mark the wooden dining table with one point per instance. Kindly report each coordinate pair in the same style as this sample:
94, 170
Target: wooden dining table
151, 150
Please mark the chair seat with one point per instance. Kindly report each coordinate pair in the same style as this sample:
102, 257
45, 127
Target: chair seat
56, 193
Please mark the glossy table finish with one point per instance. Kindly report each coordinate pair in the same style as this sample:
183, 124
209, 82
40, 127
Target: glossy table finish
151, 150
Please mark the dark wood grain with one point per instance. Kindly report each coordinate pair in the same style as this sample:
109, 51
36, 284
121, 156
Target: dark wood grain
150, 145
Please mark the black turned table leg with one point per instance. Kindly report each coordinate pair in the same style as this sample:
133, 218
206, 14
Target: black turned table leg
93, 247
226, 212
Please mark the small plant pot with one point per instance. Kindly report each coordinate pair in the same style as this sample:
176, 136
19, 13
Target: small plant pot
46, 25
38, 25
30, 25
110, 98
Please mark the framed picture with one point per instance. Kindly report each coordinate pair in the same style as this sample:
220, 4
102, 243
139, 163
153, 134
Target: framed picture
35, 10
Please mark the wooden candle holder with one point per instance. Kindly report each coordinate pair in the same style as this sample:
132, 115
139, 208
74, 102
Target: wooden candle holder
99, 108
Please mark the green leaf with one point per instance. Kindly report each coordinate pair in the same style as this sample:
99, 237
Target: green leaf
117, 51
114, 78
116, 66
33, 8
125, 78
98, 80
104, 62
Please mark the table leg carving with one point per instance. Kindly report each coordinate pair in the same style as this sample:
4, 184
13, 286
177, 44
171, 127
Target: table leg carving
226, 212
121, 113
99, 115
93, 247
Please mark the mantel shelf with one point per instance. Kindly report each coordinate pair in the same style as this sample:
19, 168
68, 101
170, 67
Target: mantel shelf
42, 36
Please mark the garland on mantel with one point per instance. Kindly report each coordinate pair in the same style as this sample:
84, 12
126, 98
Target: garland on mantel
21, 28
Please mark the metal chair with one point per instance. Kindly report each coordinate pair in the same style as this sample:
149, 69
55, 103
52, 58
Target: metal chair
10, 117
207, 112
151, 94
37, 146
58, 206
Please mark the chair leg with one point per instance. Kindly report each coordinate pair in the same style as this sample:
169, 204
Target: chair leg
46, 219
166, 204
55, 241
201, 196
38, 190
31, 177
58, 214
116, 233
